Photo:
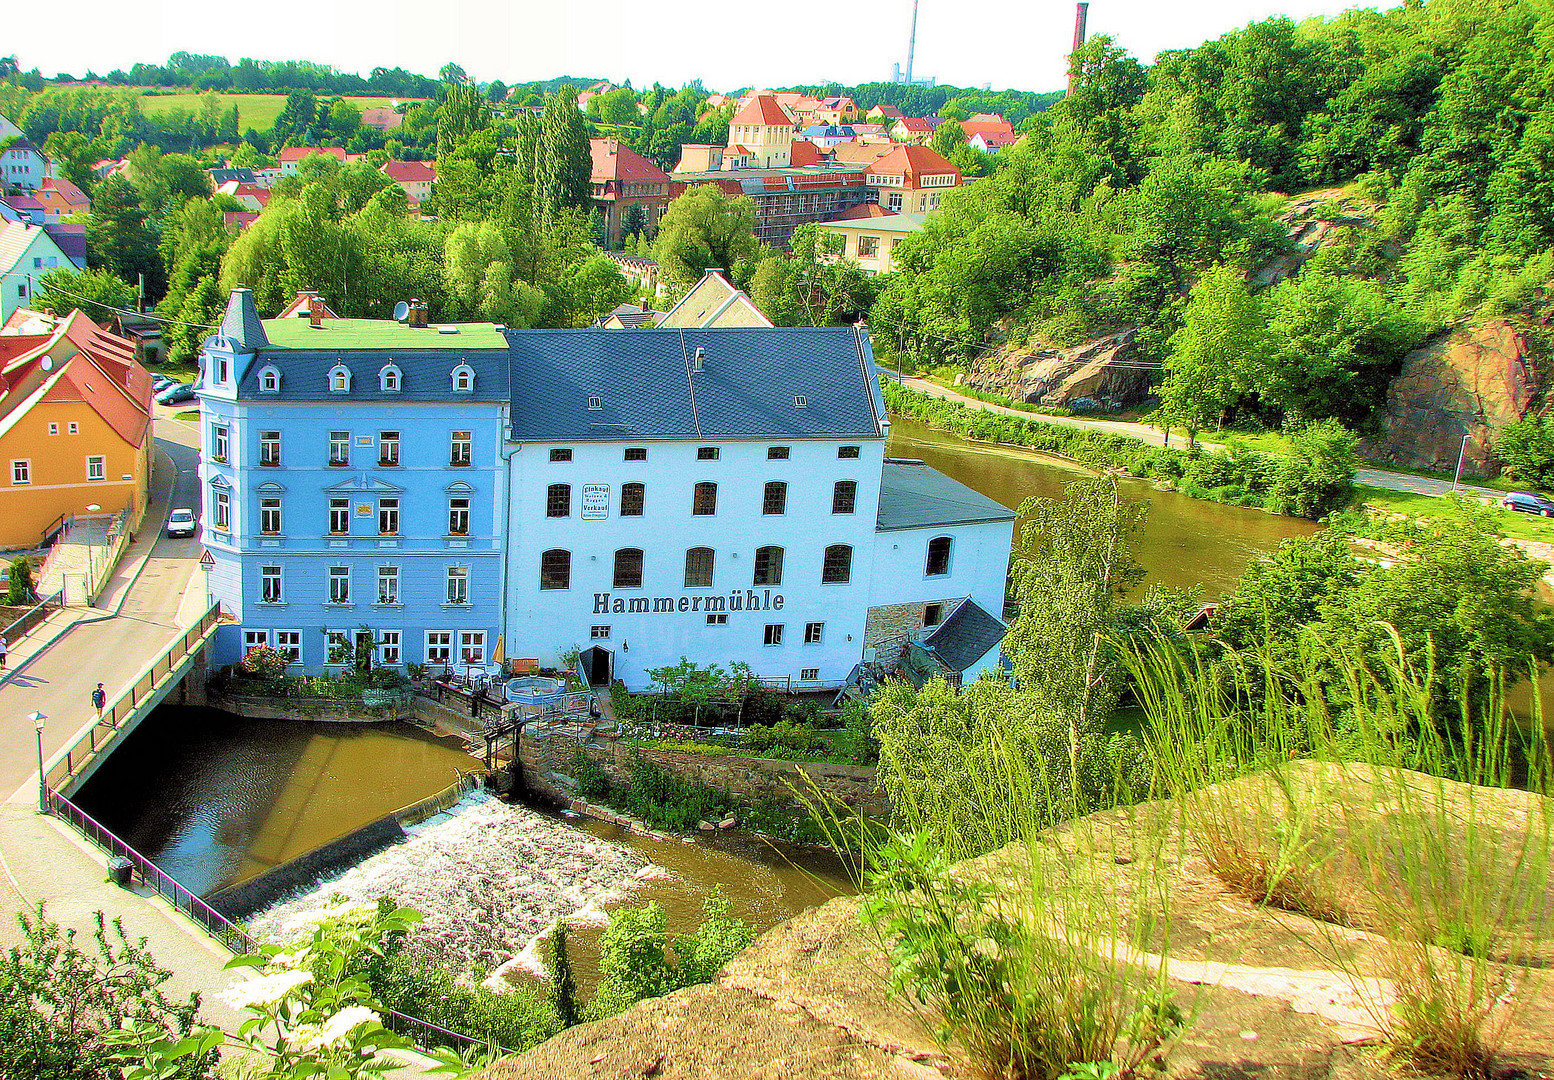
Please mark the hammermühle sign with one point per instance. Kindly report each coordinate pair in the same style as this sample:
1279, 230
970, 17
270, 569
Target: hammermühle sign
748, 600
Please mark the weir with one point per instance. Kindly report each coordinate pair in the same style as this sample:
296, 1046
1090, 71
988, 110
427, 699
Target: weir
76, 763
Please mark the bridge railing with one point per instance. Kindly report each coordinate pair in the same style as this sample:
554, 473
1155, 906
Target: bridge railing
234, 938
123, 707
31, 618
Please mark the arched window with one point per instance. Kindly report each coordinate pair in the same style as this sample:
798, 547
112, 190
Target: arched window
339, 379
838, 567
628, 568
558, 500
938, 556
269, 380
775, 499
389, 378
768, 566
556, 569
463, 379
632, 498
705, 501
844, 497
698, 567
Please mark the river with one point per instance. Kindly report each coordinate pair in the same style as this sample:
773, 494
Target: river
214, 799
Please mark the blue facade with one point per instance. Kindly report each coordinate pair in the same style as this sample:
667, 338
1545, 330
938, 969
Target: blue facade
354, 484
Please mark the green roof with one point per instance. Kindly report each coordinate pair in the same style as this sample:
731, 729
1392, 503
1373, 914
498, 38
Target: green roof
339, 334
890, 223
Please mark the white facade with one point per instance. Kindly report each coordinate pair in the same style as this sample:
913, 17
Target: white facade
978, 565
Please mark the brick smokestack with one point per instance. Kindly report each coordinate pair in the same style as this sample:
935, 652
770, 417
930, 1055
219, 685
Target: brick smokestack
316, 311
1081, 12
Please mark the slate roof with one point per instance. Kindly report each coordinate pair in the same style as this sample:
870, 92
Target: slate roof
242, 175
914, 496
965, 637
647, 389
427, 374
240, 324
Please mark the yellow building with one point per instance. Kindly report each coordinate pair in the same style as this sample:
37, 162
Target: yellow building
75, 429
871, 241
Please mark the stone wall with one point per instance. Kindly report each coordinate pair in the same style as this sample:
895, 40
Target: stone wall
324, 710
548, 760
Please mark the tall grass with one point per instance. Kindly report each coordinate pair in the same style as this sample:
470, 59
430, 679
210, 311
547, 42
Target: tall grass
1328, 782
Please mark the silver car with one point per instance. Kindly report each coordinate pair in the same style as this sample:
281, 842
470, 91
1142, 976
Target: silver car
181, 522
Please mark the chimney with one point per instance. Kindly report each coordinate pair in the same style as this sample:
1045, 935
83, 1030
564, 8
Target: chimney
1081, 12
699, 359
417, 316
316, 311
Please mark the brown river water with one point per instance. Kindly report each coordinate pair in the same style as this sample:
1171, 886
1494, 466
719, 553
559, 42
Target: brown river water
215, 799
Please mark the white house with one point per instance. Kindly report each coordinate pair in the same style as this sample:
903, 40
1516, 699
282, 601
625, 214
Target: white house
27, 252
23, 166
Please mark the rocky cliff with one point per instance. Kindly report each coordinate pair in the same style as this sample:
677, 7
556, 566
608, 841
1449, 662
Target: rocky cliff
1472, 381
1105, 371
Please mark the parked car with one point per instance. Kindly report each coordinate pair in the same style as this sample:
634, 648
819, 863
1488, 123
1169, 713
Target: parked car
1528, 503
162, 382
176, 393
181, 522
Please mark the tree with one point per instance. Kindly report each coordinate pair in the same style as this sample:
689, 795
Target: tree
705, 227
565, 161
563, 983
19, 585
633, 220
117, 236
948, 137
95, 292
1075, 560
1526, 447
1216, 356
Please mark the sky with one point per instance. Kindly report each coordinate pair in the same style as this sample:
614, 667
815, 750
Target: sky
728, 46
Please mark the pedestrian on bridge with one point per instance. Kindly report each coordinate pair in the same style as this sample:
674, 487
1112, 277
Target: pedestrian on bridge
99, 699
4, 648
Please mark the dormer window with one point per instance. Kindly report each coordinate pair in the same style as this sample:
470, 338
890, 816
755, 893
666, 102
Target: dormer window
389, 378
463, 379
595, 402
339, 379
269, 380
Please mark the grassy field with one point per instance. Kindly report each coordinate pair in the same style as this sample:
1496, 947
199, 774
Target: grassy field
1520, 526
257, 111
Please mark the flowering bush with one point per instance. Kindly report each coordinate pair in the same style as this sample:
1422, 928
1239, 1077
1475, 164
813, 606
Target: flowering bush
265, 661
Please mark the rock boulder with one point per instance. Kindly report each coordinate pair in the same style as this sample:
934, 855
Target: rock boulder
1105, 371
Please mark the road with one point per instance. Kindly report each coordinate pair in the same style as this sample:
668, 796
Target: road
1382, 478
114, 649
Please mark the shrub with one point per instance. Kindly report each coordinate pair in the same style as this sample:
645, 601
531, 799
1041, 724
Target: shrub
515, 1019
593, 782
265, 662
782, 737
19, 587
667, 801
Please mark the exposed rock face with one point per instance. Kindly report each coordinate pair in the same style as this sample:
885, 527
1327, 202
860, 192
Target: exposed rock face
1473, 381
1105, 371
1315, 220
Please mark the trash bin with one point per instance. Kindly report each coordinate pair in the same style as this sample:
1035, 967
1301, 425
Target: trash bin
120, 870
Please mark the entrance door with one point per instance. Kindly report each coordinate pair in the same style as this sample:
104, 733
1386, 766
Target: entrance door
598, 665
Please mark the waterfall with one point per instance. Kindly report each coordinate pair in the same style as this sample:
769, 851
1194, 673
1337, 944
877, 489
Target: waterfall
489, 877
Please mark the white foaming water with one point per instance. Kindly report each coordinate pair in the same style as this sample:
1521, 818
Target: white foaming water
490, 879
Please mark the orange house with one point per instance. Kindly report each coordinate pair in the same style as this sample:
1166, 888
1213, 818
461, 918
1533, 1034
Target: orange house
75, 429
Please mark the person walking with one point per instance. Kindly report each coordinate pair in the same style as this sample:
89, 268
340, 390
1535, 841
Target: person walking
99, 699
5, 647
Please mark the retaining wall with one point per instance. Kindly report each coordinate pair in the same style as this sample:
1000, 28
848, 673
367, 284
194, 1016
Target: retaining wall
548, 760
324, 710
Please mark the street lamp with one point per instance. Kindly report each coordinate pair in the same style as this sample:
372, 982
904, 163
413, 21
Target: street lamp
37, 719
1461, 455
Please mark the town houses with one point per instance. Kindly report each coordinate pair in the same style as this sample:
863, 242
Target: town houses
462, 494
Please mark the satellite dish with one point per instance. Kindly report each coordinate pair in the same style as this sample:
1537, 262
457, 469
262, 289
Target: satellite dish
401, 311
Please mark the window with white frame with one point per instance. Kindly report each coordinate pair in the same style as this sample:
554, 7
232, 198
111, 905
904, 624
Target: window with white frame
270, 514
472, 646
458, 585
289, 644
74, 428
339, 584
21, 471
894, 201
388, 516
53, 429
388, 448
388, 379
388, 584
938, 563
809, 674
222, 518
96, 467
459, 448
599, 633
339, 516
255, 639
458, 515
270, 448
218, 442
439, 646
772, 635
388, 648
339, 379
270, 585
868, 245
339, 448
463, 379
814, 633
269, 381
720, 619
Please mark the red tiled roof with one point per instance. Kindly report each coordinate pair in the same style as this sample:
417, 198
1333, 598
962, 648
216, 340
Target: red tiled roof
805, 154
916, 123
409, 172
103, 374
241, 218
763, 110
861, 153
985, 124
912, 161
736, 150
867, 210
889, 111
65, 189
297, 153
614, 160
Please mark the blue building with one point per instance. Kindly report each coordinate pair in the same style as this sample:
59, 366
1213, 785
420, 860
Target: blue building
354, 486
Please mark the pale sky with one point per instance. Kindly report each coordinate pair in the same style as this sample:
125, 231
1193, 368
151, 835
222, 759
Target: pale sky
727, 45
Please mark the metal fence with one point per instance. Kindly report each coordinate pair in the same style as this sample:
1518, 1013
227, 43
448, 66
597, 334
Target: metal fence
232, 937
31, 618
123, 707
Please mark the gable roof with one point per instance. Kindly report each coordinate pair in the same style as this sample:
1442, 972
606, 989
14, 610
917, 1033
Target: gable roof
17, 238
614, 160
965, 637
409, 172
241, 174
64, 189
93, 367
860, 153
297, 153
763, 110
714, 301
919, 124
915, 496
647, 388
302, 306
912, 161
805, 154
